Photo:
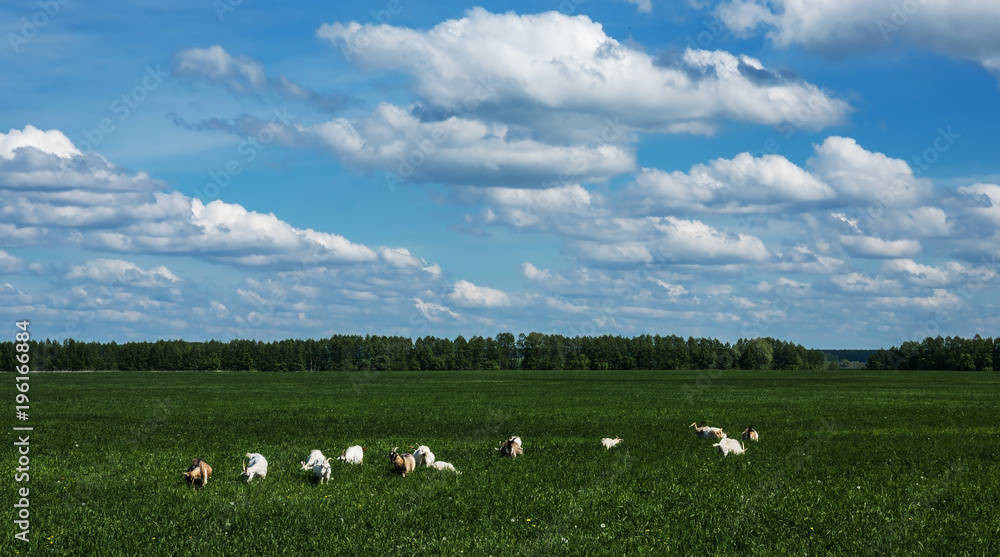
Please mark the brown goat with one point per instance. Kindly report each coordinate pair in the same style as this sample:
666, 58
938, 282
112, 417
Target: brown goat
198, 473
403, 463
750, 433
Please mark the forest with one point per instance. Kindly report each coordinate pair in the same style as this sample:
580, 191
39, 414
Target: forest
937, 353
531, 351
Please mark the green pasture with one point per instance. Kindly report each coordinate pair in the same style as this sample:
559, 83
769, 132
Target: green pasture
848, 463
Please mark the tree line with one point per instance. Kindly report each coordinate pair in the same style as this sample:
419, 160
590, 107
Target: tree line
937, 353
532, 351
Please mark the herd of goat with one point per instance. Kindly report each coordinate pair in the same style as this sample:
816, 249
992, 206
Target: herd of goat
404, 463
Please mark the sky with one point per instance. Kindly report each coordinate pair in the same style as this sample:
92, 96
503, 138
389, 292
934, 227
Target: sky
824, 173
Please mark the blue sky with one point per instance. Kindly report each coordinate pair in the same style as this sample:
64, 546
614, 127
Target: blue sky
229, 169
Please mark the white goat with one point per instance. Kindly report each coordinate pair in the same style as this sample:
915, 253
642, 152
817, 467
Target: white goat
441, 465
314, 457
423, 456
608, 442
321, 470
258, 466
727, 445
705, 432
750, 433
353, 455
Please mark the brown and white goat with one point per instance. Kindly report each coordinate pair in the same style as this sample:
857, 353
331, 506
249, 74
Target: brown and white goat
511, 447
705, 432
750, 434
403, 463
198, 473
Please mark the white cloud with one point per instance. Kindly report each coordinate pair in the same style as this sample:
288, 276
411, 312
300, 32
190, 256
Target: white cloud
743, 184
121, 272
673, 290
988, 196
128, 213
244, 76
10, 263
433, 312
543, 276
563, 76
466, 294
695, 240
870, 246
400, 257
642, 6
53, 142
460, 151
961, 29
550, 207
858, 174
860, 282
940, 300
928, 275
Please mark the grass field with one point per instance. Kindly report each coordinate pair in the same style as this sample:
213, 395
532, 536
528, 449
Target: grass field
848, 463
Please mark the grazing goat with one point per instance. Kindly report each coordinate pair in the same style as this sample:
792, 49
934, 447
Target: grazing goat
198, 473
441, 465
258, 466
321, 470
423, 456
727, 445
608, 442
750, 433
403, 463
353, 455
511, 447
315, 457
705, 432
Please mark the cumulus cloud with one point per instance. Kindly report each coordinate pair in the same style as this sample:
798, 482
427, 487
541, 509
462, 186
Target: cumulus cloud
658, 240
460, 151
243, 76
10, 263
861, 282
841, 173
58, 193
949, 273
743, 184
466, 294
563, 77
118, 271
870, 246
858, 174
836, 27
987, 202
53, 142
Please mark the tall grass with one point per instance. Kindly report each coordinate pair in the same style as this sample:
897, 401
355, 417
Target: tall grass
848, 463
